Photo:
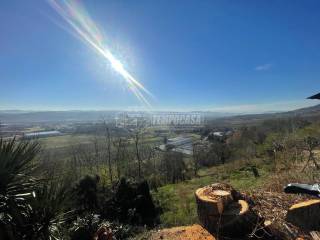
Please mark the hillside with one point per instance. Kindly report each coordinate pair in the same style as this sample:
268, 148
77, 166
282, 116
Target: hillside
251, 119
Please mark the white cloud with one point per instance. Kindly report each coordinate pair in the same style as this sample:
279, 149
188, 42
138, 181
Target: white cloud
263, 67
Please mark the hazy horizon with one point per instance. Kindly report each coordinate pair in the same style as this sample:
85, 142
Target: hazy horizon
236, 109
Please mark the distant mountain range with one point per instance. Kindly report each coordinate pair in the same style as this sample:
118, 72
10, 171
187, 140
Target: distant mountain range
306, 113
17, 116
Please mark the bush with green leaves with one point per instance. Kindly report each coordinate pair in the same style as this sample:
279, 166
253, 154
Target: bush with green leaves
86, 194
35, 205
17, 185
84, 228
30, 207
50, 210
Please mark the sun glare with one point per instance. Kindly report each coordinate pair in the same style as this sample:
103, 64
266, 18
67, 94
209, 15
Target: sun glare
85, 28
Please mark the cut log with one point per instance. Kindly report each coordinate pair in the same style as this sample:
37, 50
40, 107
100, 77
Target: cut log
221, 215
305, 215
315, 235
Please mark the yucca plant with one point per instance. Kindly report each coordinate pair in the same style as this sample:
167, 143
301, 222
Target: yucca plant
17, 185
50, 210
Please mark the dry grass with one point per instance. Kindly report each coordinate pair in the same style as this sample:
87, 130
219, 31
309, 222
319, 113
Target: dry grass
272, 204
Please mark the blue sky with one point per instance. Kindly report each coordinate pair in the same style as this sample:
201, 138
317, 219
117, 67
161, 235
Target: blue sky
240, 56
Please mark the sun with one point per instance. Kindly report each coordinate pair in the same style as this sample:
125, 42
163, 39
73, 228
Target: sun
84, 27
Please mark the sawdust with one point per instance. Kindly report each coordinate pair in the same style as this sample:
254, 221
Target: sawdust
216, 191
194, 232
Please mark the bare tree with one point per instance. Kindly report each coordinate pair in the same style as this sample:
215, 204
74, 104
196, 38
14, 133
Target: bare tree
75, 162
137, 150
130, 158
277, 147
196, 155
108, 146
174, 166
119, 144
221, 149
86, 156
96, 150
310, 144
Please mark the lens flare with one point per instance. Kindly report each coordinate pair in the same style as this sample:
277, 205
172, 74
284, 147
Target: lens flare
85, 29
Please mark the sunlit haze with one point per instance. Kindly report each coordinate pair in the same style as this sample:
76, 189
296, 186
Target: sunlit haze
243, 56
78, 19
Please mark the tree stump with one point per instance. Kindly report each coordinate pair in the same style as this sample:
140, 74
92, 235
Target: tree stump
221, 214
305, 215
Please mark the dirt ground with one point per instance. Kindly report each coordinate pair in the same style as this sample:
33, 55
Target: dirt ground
272, 207
194, 232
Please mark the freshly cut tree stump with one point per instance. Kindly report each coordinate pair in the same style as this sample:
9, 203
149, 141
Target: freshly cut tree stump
220, 214
305, 215
213, 201
237, 220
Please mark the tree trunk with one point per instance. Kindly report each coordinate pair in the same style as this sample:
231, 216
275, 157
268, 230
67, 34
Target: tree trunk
305, 215
108, 143
221, 214
138, 155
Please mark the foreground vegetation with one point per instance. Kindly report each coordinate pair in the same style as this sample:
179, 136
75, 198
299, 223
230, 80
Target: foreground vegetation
107, 180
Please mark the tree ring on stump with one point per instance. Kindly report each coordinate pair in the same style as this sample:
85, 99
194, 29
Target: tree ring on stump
214, 201
222, 215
